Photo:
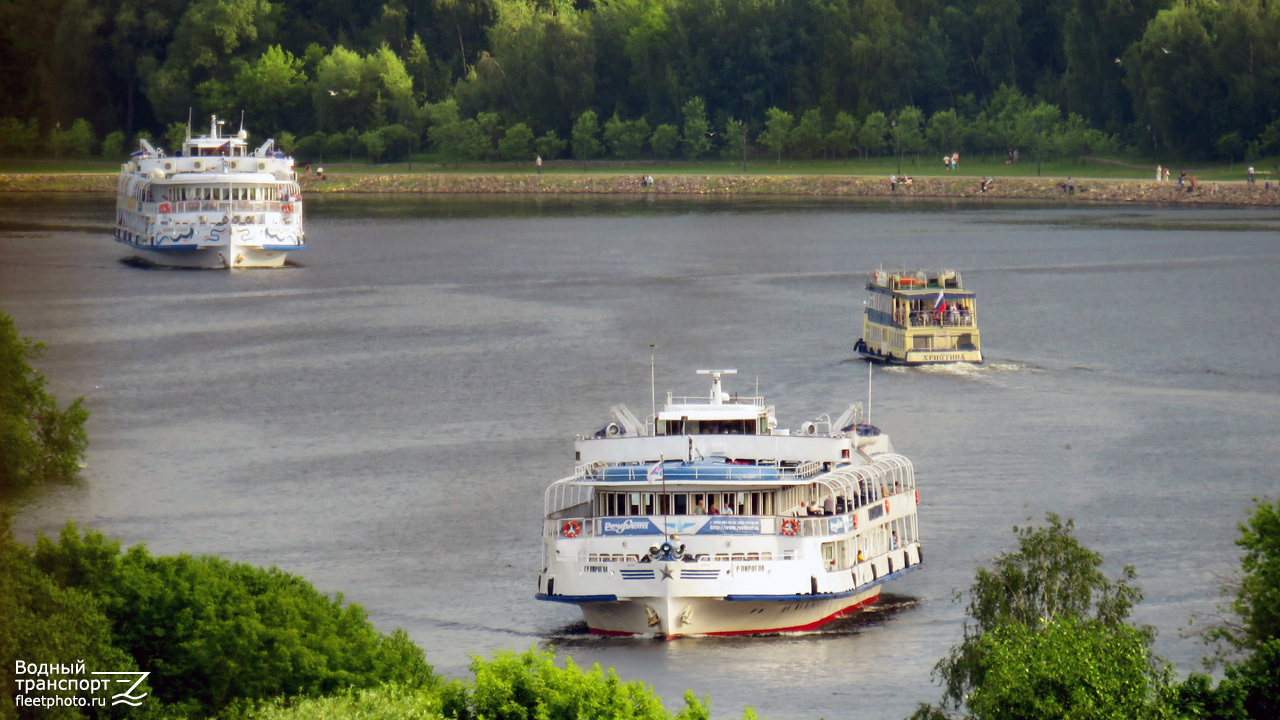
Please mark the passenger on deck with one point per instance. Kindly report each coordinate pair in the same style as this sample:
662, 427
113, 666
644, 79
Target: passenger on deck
895, 539
700, 509
715, 509
829, 505
728, 510
861, 557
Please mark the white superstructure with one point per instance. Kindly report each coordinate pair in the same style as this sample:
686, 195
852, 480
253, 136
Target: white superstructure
710, 520
214, 204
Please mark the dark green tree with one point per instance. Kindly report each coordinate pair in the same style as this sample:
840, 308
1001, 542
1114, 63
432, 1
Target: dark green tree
809, 136
550, 146
696, 135
37, 440
626, 137
844, 130
586, 136
1050, 582
777, 135
665, 140
213, 633
516, 143
42, 621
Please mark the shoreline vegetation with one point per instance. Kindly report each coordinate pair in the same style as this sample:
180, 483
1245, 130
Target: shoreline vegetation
1086, 190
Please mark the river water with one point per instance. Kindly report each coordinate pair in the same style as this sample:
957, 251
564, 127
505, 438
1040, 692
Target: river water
384, 418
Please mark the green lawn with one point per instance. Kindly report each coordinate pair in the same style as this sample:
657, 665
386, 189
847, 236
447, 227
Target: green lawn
924, 166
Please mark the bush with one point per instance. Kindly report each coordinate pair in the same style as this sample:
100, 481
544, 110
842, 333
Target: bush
340, 143
77, 141
18, 137
586, 136
626, 137
174, 136
37, 441
41, 621
311, 148
665, 140
550, 146
517, 143
399, 142
113, 146
388, 702
214, 633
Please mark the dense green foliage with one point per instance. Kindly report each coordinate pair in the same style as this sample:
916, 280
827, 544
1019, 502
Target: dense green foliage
1250, 687
43, 621
1047, 637
212, 633
1193, 79
1050, 579
37, 440
1257, 597
1064, 668
530, 686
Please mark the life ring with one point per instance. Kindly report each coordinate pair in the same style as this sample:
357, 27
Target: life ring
571, 529
286, 208
886, 506
164, 208
855, 521
790, 527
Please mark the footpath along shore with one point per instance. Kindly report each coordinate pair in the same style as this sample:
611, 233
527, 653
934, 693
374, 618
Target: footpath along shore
1087, 190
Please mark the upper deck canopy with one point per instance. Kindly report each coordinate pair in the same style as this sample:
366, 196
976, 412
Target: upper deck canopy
919, 282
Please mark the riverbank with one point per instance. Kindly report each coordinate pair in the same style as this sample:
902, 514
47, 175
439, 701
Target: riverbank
958, 187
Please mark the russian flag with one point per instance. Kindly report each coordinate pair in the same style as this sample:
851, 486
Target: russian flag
939, 303
655, 473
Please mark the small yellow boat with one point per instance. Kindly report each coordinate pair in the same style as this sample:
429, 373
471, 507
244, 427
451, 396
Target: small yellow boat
918, 317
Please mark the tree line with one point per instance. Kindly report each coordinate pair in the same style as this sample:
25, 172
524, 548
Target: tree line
499, 79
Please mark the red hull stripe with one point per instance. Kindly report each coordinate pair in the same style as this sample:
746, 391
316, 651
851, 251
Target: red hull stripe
796, 628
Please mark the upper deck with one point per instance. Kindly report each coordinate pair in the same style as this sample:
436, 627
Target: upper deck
741, 429
918, 282
212, 158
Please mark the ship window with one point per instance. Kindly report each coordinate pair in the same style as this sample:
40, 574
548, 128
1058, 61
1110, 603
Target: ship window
681, 504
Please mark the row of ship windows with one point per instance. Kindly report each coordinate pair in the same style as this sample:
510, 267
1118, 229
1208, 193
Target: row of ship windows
616, 504
181, 193
702, 557
841, 554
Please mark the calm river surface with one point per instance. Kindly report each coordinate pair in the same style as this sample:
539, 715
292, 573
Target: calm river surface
384, 419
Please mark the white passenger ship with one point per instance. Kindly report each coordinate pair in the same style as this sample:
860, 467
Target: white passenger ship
919, 318
214, 204
711, 520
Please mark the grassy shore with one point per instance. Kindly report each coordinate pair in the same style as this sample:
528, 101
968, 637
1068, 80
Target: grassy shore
1100, 181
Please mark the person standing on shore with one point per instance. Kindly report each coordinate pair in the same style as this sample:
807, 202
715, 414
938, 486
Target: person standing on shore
538, 164
1159, 173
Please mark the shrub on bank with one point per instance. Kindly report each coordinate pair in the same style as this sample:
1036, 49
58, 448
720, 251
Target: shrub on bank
216, 634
